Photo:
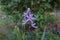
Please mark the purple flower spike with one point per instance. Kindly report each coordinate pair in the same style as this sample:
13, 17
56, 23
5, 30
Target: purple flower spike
28, 17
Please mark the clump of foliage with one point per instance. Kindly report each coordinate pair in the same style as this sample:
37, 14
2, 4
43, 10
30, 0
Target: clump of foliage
17, 7
3, 36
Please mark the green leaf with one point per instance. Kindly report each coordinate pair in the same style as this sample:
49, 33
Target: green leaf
18, 34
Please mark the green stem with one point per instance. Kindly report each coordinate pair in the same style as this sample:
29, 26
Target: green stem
43, 34
23, 33
37, 34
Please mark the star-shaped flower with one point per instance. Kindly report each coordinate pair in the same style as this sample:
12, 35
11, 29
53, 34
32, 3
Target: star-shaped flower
28, 17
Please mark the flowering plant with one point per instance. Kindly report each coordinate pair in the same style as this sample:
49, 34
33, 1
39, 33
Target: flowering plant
28, 17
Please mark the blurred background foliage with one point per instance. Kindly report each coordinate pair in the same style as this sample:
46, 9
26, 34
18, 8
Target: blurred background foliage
43, 12
17, 7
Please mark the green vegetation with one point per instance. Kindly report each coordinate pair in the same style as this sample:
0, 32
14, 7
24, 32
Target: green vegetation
43, 11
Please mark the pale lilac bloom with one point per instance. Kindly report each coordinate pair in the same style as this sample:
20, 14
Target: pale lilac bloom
27, 11
28, 17
2, 16
33, 25
25, 21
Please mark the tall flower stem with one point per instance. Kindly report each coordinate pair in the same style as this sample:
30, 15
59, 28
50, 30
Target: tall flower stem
43, 36
23, 33
37, 34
